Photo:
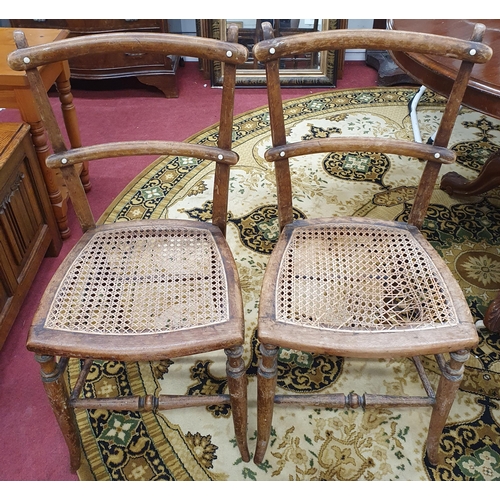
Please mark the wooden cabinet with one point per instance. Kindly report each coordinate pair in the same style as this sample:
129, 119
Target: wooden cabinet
151, 69
28, 228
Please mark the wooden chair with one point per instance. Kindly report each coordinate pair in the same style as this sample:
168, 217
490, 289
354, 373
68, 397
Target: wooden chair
358, 287
145, 290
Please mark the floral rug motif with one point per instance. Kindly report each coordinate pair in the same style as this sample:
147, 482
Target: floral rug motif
309, 443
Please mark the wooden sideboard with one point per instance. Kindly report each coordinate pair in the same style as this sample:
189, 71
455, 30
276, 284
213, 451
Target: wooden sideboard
28, 228
150, 69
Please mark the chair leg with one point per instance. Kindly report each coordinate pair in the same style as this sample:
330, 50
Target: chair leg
237, 385
452, 374
57, 393
267, 375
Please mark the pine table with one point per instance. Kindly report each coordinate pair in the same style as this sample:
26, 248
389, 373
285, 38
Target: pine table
15, 93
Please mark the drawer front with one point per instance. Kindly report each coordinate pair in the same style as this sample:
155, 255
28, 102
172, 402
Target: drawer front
108, 65
89, 26
21, 220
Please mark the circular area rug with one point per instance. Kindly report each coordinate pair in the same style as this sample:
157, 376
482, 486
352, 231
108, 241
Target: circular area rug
308, 443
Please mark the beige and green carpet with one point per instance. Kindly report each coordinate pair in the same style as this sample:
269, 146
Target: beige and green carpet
313, 444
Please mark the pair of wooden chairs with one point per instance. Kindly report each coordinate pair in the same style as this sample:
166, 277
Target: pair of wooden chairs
342, 286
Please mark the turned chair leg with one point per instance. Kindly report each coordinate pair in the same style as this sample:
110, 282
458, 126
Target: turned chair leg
267, 375
452, 374
57, 393
237, 385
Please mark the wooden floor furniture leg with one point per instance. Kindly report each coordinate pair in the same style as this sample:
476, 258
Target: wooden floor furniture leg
492, 316
166, 83
237, 385
57, 392
489, 178
451, 377
267, 375
30, 115
59, 203
70, 120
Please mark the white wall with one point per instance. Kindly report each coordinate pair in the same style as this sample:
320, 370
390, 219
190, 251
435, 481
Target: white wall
185, 26
357, 54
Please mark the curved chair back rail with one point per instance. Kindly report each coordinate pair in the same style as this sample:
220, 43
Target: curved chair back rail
367, 145
165, 43
401, 41
138, 148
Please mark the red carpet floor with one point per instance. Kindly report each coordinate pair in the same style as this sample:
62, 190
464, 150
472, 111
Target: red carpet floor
31, 445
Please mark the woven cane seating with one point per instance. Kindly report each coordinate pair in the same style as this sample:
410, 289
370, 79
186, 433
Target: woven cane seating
144, 290
353, 286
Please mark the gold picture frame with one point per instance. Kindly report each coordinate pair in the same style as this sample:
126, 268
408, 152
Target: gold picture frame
323, 68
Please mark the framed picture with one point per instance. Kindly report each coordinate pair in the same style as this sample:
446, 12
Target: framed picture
318, 69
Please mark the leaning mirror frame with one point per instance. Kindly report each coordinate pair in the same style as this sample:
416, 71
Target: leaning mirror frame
325, 75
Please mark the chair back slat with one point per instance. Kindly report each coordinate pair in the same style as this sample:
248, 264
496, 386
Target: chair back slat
278, 134
229, 53
222, 170
443, 134
271, 49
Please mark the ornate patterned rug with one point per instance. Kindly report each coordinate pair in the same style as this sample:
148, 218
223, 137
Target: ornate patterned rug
307, 443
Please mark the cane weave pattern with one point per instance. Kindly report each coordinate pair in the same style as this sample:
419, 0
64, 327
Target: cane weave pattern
360, 278
153, 280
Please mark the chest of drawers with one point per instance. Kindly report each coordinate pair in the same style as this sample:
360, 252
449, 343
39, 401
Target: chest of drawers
150, 69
